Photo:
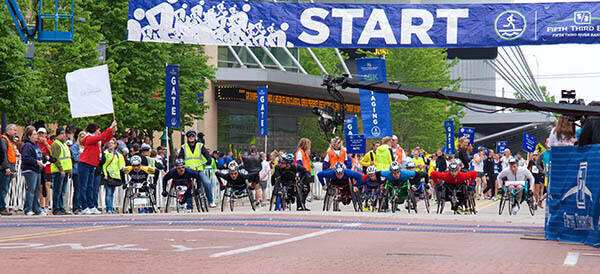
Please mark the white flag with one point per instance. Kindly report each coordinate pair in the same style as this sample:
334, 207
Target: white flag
89, 92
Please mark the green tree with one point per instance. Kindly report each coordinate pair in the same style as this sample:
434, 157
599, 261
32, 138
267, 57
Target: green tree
21, 98
419, 120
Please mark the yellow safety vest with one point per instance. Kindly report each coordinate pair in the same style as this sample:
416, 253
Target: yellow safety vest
113, 164
194, 160
64, 158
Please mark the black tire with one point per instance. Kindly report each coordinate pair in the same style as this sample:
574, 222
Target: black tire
454, 202
273, 197
355, 201
126, 198
169, 198
502, 204
327, 201
299, 195
531, 204
152, 194
251, 198
231, 201
511, 204
197, 201
413, 200
225, 193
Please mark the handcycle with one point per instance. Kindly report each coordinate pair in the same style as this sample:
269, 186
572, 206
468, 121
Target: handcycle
236, 192
334, 194
176, 195
144, 191
510, 196
283, 195
412, 197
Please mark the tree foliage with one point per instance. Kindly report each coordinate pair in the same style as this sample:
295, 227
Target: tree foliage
137, 71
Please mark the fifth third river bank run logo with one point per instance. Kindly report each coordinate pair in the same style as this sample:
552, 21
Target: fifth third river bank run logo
510, 25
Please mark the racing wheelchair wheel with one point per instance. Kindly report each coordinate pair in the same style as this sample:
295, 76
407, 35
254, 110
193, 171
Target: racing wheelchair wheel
327, 200
391, 197
251, 198
470, 200
127, 201
502, 203
356, 202
226, 193
531, 203
426, 197
200, 199
412, 200
170, 197
441, 198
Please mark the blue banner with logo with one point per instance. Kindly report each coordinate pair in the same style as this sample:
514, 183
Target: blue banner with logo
356, 143
350, 125
374, 107
573, 193
449, 129
529, 142
278, 24
172, 96
467, 132
262, 102
501, 146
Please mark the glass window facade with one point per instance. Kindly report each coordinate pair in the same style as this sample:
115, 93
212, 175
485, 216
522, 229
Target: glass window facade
227, 59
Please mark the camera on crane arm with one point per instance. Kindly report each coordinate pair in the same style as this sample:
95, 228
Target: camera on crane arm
329, 118
570, 97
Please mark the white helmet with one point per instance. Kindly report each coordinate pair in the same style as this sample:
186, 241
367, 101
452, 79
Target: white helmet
371, 170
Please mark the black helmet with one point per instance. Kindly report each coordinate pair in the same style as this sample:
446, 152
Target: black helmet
180, 162
339, 168
190, 132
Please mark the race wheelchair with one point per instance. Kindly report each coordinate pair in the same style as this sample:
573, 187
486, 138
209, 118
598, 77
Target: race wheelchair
510, 196
141, 195
453, 193
345, 194
421, 189
285, 194
176, 196
372, 197
395, 195
236, 192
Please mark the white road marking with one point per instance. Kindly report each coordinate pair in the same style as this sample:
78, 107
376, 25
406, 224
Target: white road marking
127, 247
571, 259
214, 230
181, 248
75, 246
280, 242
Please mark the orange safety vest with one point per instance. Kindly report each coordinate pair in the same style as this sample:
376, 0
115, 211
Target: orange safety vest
305, 160
399, 154
333, 159
10, 154
355, 164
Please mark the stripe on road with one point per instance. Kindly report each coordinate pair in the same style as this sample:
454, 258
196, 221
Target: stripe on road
571, 259
214, 230
280, 242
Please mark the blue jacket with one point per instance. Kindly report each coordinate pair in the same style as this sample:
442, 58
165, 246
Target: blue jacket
30, 155
330, 174
404, 175
75, 156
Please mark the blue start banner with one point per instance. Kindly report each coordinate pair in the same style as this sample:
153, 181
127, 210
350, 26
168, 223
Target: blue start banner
261, 103
467, 132
356, 143
529, 142
273, 24
501, 146
449, 128
374, 107
350, 125
172, 96
574, 189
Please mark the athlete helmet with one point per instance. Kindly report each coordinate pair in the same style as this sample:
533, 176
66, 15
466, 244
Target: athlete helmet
453, 167
339, 168
513, 161
135, 160
395, 167
371, 170
287, 158
233, 166
180, 162
411, 164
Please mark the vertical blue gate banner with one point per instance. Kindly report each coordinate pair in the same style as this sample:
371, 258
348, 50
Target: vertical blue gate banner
262, 102
467, 132
172, 96
350, 125
573, 193
320, 25
449, 129
374, 107
501, 146
529, 142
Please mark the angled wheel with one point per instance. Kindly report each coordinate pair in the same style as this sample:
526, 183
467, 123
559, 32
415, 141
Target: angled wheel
231, 200
502, 203
426, 198
251, 198
299, 195
225, 194
170, 198
272, 200
125, 208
